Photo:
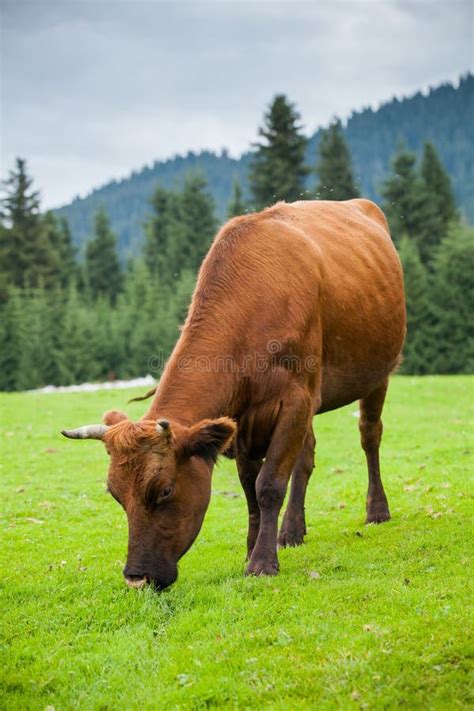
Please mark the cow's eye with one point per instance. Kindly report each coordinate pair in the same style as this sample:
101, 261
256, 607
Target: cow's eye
166, 491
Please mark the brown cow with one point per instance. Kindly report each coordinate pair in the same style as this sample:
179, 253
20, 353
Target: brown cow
298, 310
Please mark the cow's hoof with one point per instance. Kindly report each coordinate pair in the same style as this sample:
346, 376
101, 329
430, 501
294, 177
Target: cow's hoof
262, 567
378, 516
290, 538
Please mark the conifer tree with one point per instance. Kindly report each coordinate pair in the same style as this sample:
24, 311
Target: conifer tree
103, 271
20, 206
11, 311
106, 343
403, 195
22, 252
438, 207
47, 250
419, 204
438, 185
143, 318
37, 330
453, 301
175, 304
159, 230
277, 169
417, 355
77, 359
181, 230
236, 205
198, 223
67, 252
55, 252
334, 168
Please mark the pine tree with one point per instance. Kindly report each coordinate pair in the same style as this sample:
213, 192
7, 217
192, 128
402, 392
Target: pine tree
159, 230
47, 250
438, 208
236, 205
181, 230
453, 301
404, 197
11, 311
103, 271
143, 321
22, 248
77, 359
438, 185
419, 204
35, 250
198, 220
277, 169
334, 169
55, 252
38, 327
106, 343
20, 206
418, 351
67, 252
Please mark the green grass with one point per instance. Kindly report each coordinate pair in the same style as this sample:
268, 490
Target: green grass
361, 616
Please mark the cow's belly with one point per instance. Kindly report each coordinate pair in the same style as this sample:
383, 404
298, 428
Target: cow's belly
339, 389
361, 345
357, 367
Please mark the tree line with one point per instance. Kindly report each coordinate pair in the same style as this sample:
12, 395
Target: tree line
440, 115
68, 317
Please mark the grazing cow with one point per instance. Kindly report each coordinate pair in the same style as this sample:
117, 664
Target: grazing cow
298, 309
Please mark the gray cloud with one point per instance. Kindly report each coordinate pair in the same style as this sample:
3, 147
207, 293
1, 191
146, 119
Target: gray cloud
92, 90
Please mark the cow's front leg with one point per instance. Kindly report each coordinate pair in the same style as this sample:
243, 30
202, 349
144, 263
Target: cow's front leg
248, 471
289, 433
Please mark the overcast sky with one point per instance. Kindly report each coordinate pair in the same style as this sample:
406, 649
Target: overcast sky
92, 89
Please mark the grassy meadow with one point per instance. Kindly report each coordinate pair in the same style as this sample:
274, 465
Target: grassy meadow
360, 617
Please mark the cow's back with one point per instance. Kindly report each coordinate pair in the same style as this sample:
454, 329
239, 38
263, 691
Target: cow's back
310, 277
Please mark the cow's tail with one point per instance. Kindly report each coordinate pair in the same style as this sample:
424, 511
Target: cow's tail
143, 397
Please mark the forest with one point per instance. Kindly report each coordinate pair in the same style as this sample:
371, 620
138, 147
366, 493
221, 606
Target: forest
442, 116
71, 315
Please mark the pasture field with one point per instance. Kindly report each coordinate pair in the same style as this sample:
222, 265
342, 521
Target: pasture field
360, 617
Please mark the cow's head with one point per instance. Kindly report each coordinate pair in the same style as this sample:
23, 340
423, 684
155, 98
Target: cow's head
160, 473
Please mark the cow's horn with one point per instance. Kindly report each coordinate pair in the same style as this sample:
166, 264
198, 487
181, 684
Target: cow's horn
162, 426
86, 432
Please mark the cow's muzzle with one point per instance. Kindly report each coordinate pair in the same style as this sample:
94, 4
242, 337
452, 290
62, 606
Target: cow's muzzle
136, 581
159, 582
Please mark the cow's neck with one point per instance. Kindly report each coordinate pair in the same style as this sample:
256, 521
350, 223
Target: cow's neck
197, 382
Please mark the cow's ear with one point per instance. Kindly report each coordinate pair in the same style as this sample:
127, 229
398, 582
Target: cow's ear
113, 416
208, 438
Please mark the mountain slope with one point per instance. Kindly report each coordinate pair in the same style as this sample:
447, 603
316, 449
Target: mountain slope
443, 116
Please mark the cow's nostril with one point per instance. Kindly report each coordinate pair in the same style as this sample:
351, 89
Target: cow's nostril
136, 581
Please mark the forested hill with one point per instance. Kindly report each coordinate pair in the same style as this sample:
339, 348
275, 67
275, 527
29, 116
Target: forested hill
443, 116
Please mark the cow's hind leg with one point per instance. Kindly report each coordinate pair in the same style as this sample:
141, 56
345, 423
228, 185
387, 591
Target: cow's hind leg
370, 426
293, 526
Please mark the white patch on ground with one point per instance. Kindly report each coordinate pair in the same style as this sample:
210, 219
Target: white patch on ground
146, 381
